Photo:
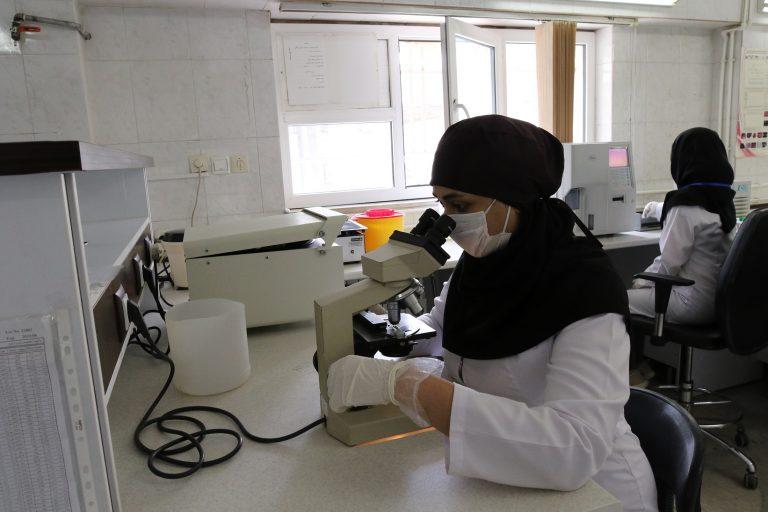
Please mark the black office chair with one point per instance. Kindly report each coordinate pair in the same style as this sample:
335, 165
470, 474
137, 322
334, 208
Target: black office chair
674, 445
741, 309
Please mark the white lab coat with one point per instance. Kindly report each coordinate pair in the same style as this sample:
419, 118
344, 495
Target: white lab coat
551, 417
693, 246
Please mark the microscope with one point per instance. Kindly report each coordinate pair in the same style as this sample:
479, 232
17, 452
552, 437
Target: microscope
392, 271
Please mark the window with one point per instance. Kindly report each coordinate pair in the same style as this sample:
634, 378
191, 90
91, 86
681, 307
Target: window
328, 157
362, 107
421, 85
475, 71
522, 93
372, 133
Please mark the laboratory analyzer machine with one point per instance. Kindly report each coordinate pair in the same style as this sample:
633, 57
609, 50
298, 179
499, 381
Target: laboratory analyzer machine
599, 186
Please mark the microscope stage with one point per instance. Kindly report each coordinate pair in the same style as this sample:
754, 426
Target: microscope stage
371, 334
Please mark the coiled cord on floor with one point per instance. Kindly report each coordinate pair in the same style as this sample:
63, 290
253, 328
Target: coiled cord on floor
187, 441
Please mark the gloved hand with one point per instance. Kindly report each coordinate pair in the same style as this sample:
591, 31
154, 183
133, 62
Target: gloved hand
652, 210
407, 382
357, 380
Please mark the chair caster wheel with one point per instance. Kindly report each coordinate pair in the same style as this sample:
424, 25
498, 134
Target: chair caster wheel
742, 440
750, 481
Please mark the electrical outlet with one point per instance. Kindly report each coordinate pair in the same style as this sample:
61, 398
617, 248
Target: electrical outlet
199, 163
138, 273
238, 163
148, 243
121, 311
220, 165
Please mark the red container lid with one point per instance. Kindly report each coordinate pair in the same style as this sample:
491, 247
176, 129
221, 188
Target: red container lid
379, 213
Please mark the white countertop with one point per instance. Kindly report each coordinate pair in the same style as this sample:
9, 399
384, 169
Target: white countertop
354, 271
312, 472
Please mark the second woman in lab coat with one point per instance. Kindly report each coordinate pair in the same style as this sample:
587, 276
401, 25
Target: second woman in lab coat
531, 327
697, 220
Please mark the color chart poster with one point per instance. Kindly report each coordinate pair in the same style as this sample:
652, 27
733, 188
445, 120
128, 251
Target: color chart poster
752, 128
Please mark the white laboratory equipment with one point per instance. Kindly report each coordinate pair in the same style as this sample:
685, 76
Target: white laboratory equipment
277, 265
209, 344
599, 186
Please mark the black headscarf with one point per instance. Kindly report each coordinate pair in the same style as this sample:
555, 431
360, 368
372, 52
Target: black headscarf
703, 176
545, 278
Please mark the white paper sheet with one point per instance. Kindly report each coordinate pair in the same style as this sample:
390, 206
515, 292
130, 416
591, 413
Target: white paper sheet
306, 69
35, 473
339, 70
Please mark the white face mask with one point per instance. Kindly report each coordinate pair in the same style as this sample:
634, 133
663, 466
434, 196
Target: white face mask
471, 233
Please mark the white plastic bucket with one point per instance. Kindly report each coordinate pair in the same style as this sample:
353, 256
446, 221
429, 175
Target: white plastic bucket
209, 345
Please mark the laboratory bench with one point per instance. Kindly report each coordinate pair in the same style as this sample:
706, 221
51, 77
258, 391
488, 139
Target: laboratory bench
311, 472
618, 242
630, 252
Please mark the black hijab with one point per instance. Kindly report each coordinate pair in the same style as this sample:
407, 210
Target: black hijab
545, 278
703, 176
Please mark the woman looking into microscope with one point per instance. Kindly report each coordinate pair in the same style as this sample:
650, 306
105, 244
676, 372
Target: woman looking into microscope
530, 326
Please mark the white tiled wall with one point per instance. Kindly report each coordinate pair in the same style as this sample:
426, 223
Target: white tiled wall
41, 82
171, 83
664, 81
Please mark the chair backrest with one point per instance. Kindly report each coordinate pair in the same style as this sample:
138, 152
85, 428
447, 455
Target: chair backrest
742, 294
674, 445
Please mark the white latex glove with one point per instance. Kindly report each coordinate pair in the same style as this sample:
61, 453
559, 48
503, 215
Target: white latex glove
356, 380
652, 210
407, 382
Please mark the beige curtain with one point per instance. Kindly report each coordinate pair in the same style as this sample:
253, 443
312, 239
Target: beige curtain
555, 61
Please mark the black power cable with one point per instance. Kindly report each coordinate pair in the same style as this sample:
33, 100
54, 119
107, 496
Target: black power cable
163, 276
186, 441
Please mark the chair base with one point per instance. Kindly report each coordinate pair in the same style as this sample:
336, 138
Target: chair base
696, 401
750, 477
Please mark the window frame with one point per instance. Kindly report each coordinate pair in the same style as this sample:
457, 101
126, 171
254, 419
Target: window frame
393, 114
488, 37
587, 38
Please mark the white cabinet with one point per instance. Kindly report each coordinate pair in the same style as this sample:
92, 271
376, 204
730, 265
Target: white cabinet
73, 216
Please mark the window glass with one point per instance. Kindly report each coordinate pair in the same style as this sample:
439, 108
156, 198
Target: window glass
579, 95
340, 156
421, 83
475, 78
522, 92
522, 95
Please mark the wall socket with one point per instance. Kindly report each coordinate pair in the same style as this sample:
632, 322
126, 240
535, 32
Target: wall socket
238, 163
121, 311
220, 165
199, 163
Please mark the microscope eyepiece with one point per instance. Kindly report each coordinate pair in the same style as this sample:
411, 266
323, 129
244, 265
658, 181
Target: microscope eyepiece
440, 230
426, 221
430, 233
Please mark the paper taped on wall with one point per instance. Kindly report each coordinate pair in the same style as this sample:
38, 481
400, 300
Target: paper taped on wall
331, 69
752, 130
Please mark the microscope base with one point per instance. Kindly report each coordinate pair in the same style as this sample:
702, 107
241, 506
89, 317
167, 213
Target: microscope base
355, 427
